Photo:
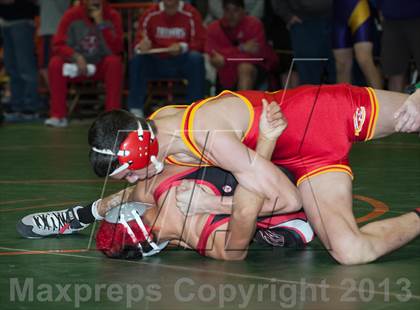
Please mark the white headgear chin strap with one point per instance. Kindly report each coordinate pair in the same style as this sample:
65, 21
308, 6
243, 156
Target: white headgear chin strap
111, 153
104, 151
119, 169
140, 131
152, 134
158, 164
156, 248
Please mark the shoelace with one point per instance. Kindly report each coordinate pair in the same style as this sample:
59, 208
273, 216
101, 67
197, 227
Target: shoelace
51, 220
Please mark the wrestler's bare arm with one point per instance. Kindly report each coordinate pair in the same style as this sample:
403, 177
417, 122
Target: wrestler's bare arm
129, 194
234, 243
115, 200
205, 201
226, 120
242, 222
255, 173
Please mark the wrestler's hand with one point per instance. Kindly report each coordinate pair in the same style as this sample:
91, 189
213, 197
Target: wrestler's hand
192, 198
272, 121
408, 115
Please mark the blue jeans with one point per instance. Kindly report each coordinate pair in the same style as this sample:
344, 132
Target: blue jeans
21, 65
312, 39
189, 66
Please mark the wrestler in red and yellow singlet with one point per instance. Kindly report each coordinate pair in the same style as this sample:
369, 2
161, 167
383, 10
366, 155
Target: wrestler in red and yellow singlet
323, 122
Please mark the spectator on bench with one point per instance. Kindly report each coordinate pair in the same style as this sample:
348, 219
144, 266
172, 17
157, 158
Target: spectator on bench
90, 39
238, 49
176, 27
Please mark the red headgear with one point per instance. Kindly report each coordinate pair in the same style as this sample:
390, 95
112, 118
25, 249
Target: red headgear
123, 234
137, 151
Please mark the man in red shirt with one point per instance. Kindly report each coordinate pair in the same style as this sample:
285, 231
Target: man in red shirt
89, 36
238, 48
173, 29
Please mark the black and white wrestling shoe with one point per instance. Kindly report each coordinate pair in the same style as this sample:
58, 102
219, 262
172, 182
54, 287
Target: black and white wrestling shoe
44, 224
279, 237
291, 234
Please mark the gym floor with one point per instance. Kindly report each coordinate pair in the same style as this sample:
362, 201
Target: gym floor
47, 169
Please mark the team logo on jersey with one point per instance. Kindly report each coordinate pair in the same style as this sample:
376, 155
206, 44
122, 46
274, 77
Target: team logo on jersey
227, 188
359, 118
173, 32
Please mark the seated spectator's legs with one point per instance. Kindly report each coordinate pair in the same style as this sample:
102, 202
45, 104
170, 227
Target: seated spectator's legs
110, 71
247, 75
58, 88
312, 39
141, 69
191, 66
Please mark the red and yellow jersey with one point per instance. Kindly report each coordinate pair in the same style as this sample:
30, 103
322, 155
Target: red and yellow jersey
323, 122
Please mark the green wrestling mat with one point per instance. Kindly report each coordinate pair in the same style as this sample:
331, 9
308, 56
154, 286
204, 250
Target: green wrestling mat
43, 168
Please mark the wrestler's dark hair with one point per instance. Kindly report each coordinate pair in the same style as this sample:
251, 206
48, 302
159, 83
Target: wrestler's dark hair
103, 134
239, 3
129, 252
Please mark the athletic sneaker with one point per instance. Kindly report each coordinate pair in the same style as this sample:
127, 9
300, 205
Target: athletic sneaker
56, 122
291, 234
43, 224
279, 237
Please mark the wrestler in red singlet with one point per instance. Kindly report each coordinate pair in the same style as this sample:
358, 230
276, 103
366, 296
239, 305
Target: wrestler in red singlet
323, 122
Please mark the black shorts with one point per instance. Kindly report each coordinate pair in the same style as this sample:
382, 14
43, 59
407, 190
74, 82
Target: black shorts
400, 42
